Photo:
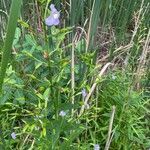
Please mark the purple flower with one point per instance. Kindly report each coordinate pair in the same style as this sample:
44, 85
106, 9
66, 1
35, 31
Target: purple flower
62, 113
96, 147
84, 93
13, 135
53, 19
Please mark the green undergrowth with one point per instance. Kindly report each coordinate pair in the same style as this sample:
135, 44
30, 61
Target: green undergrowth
51, 71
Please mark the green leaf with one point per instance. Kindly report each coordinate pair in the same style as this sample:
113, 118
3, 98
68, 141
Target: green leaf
46, 94
17, 36
19, 96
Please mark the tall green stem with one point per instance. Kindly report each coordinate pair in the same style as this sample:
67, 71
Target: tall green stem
12, 23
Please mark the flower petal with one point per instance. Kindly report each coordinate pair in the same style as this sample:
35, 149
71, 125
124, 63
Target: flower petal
62, 113
13, 135
53, 9
53, 19
96, 147
56, 21
49, 21
84, 93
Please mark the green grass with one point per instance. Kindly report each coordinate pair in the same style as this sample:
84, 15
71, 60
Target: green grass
100, 46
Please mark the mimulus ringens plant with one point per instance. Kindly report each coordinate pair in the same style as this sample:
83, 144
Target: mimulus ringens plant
53, 19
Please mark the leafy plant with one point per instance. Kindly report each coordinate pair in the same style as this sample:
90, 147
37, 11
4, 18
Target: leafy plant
82, 84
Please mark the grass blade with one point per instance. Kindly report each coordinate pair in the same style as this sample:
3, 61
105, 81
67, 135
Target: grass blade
12, 23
